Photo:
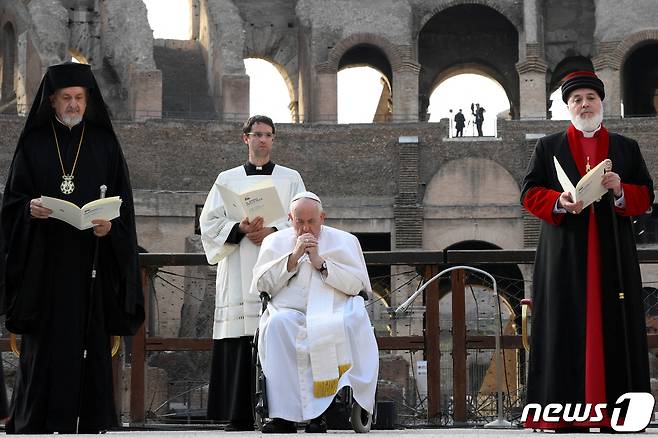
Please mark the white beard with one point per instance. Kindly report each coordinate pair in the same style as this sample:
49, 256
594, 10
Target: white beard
71, 121
589, 124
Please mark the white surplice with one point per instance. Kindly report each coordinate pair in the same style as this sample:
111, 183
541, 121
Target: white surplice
236, 311
294, 346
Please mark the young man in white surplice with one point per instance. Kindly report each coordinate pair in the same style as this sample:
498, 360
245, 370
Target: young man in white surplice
315, 336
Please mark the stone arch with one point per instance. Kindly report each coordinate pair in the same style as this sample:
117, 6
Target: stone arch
626, 47
264, 42
404, 76
290, 84
365, 55
393, 53
635, 60
472, 199
470, 68
451, 3
8, 81
468, 33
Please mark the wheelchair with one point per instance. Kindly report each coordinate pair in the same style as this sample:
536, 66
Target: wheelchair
360, 419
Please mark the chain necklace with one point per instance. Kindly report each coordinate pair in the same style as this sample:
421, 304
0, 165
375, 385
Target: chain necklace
67, 185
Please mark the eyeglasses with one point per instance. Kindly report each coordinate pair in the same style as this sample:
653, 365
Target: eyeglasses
261, 134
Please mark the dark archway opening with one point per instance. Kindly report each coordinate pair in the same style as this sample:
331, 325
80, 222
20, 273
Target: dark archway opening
468, 35
640, 79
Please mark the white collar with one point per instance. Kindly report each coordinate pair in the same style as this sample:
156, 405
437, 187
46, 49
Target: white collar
590, 134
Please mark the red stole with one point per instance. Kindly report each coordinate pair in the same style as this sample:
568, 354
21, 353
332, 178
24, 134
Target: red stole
594, 351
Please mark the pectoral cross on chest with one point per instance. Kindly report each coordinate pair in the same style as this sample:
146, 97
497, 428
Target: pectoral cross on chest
587, 166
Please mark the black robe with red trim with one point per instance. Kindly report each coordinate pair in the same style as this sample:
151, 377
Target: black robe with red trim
559, 343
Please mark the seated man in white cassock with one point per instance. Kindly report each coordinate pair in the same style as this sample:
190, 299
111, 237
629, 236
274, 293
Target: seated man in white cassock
315, 336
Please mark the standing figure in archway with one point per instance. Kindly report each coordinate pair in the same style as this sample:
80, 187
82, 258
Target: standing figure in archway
578, 352
459, 123
479, 118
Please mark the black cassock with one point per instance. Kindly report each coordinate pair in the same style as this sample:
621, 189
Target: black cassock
233, 372
48, 279
558, 344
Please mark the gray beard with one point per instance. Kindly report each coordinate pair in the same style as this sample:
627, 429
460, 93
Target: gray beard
71, 121
588, 124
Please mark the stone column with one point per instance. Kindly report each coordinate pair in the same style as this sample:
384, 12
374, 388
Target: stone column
293, 107
22, 101
194, 19
145, 94
325, 96
532, 87
235, 98
607, 66
405, 92
532, 69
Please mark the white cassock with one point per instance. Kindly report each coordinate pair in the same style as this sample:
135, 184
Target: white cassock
315, 336
236, 311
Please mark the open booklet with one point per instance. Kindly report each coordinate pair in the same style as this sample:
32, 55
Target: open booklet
105, 208
258, 200
589, 188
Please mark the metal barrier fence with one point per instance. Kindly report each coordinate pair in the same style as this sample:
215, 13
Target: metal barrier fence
437, 360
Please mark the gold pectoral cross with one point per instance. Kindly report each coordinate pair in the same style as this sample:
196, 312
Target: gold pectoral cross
587, 166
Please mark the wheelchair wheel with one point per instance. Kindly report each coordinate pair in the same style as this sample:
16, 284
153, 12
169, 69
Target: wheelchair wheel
258, 393
361, 419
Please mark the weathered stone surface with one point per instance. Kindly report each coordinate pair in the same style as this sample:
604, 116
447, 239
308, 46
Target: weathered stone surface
616, 19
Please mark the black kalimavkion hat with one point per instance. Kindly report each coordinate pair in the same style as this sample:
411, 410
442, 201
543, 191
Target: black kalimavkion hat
582, 79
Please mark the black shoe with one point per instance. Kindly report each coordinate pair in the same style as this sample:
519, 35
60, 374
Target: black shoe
316, 425
279, 425
235, 426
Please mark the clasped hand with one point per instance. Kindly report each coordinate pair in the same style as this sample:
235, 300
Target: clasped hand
254, 229
307, 244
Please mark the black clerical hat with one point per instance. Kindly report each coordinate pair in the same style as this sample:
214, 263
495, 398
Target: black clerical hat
582, 79
69, 74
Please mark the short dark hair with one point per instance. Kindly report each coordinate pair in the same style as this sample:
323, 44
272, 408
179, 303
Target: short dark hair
246, 128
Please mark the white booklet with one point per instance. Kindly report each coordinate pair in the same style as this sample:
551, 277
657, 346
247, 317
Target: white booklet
589, 188
105, 208
258, 200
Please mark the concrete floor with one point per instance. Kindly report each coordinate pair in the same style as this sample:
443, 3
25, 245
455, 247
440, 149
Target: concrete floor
439, 433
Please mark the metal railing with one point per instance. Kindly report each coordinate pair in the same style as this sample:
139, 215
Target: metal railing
462, 406
455, 375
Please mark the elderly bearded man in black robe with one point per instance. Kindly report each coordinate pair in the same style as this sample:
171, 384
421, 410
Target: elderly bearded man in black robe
577, 352
67, 150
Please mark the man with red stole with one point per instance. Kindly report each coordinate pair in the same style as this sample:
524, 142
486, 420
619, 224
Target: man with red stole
578, 352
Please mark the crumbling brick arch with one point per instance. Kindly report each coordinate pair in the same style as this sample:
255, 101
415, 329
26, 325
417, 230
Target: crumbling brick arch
516, 21
403, 71
636, 59
628, 45
394, 53
287, 75
469, 33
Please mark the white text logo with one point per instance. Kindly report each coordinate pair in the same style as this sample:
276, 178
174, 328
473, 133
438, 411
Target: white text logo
636, 418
